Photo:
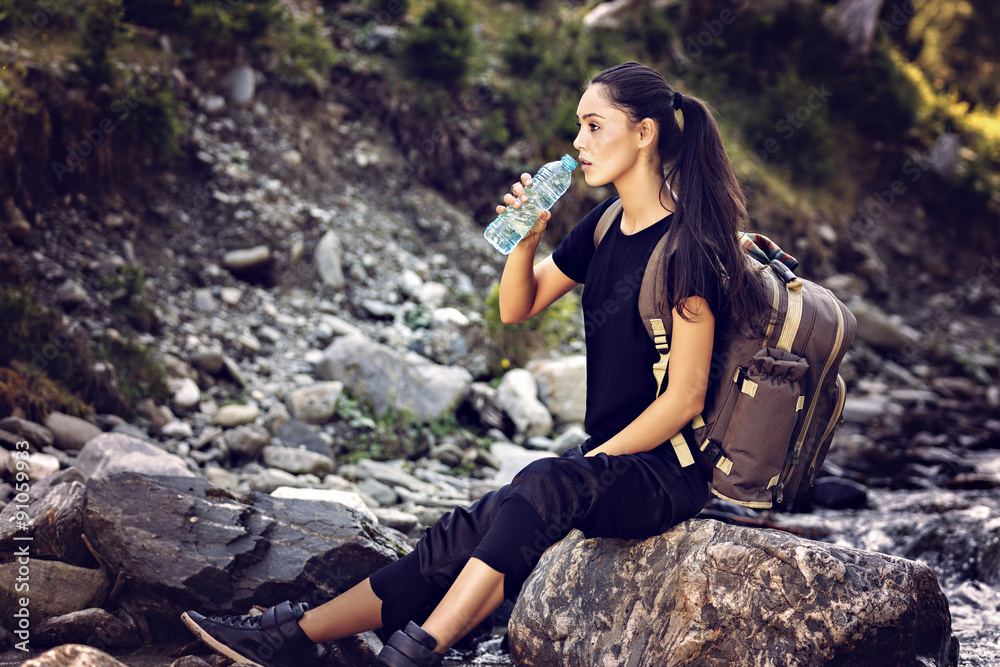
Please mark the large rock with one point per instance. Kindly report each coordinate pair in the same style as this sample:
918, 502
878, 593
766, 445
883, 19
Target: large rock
203, 549
881, 330
562, 387
73, 655
54, 588
93, 627
53, 521
518, 396
388, 379
70, 433
708, 594
111, 453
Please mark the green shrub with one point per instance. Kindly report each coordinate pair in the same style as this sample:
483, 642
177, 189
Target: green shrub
304, 54
139, 374
102, 30
438, 48
517, 344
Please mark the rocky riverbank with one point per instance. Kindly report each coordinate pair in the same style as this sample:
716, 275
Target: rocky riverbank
293, 282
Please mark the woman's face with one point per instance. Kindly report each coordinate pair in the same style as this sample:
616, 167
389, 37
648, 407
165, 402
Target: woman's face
607, 141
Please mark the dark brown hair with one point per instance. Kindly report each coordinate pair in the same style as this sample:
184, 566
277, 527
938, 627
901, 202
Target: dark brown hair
711, 207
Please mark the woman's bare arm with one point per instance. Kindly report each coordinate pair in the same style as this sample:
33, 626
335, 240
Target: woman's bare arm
684, 397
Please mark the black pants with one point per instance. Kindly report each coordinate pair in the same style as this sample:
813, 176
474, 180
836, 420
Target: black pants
630, 496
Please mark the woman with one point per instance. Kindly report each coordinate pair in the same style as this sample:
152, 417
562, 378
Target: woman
625, 481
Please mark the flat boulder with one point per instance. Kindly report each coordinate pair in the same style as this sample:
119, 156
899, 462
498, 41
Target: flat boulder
112, 453
710, 594
204, 549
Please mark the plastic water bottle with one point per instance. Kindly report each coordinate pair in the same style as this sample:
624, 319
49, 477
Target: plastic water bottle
551, 181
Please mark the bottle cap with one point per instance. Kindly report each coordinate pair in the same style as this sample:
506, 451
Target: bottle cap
568, 162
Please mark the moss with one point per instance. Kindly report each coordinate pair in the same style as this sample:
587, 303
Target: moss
138, 373
29, 391
514, 345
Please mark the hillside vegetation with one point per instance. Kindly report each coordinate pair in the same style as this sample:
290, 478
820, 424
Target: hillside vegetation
852, 158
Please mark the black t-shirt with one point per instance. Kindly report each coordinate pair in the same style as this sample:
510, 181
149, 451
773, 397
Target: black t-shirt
620, 354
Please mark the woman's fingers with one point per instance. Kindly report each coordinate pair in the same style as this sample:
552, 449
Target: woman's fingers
517, 194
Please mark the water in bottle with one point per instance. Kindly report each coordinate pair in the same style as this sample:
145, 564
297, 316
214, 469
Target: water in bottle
551, 181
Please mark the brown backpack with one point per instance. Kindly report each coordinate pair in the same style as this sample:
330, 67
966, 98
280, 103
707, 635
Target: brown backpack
770, 415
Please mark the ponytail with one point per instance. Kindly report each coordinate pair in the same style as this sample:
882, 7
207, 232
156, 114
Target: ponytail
710, 203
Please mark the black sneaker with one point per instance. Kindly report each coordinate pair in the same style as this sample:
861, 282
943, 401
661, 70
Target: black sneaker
409, 647
270, 639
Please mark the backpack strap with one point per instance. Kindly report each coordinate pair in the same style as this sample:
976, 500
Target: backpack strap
607, 219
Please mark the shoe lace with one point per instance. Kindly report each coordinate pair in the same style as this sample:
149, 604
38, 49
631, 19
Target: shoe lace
240, 621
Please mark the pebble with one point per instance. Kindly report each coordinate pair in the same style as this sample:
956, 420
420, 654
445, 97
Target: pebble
235, 414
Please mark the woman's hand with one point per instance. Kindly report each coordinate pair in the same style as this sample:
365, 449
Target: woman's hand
518, 196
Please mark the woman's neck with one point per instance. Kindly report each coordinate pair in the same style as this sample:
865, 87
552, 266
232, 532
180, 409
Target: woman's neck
642, 204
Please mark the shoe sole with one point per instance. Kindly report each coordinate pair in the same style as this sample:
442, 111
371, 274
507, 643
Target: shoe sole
214, 643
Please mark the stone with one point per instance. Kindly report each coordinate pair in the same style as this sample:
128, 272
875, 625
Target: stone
708, 593
177, 429
37, 435
391, 517
205, 549
209, 361
512, 459
242, 84
882, 331
54, 520
73, 655
236, 414
112, 453
562, 387
70, 433
300, 435
222, 478
360, 649
187, 394
483, 399
247, 259
345, 498
231, 295
388, 379
38, 466
329, 257
384, 494
276, 417
518, 396
247, 440
204, 301
298, 461
87, 626
316, 404
839, 493
70, 294
55, 588
267, 481
571, 437
393, 476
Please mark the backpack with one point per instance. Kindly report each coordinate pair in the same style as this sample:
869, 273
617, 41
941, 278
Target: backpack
771, 411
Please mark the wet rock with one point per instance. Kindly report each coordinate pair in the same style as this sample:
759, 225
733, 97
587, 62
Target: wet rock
236, 415
112, 453
55, 588
718, 594
203, 549
316, 404
298, 461
93, 627
518, 395
73, 655
36, 434
388, 379
70, 433
562, 387
54, 519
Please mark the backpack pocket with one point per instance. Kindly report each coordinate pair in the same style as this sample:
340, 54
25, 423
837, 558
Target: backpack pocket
757, 435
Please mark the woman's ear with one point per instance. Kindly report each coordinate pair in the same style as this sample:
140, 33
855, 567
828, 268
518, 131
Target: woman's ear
647, 132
